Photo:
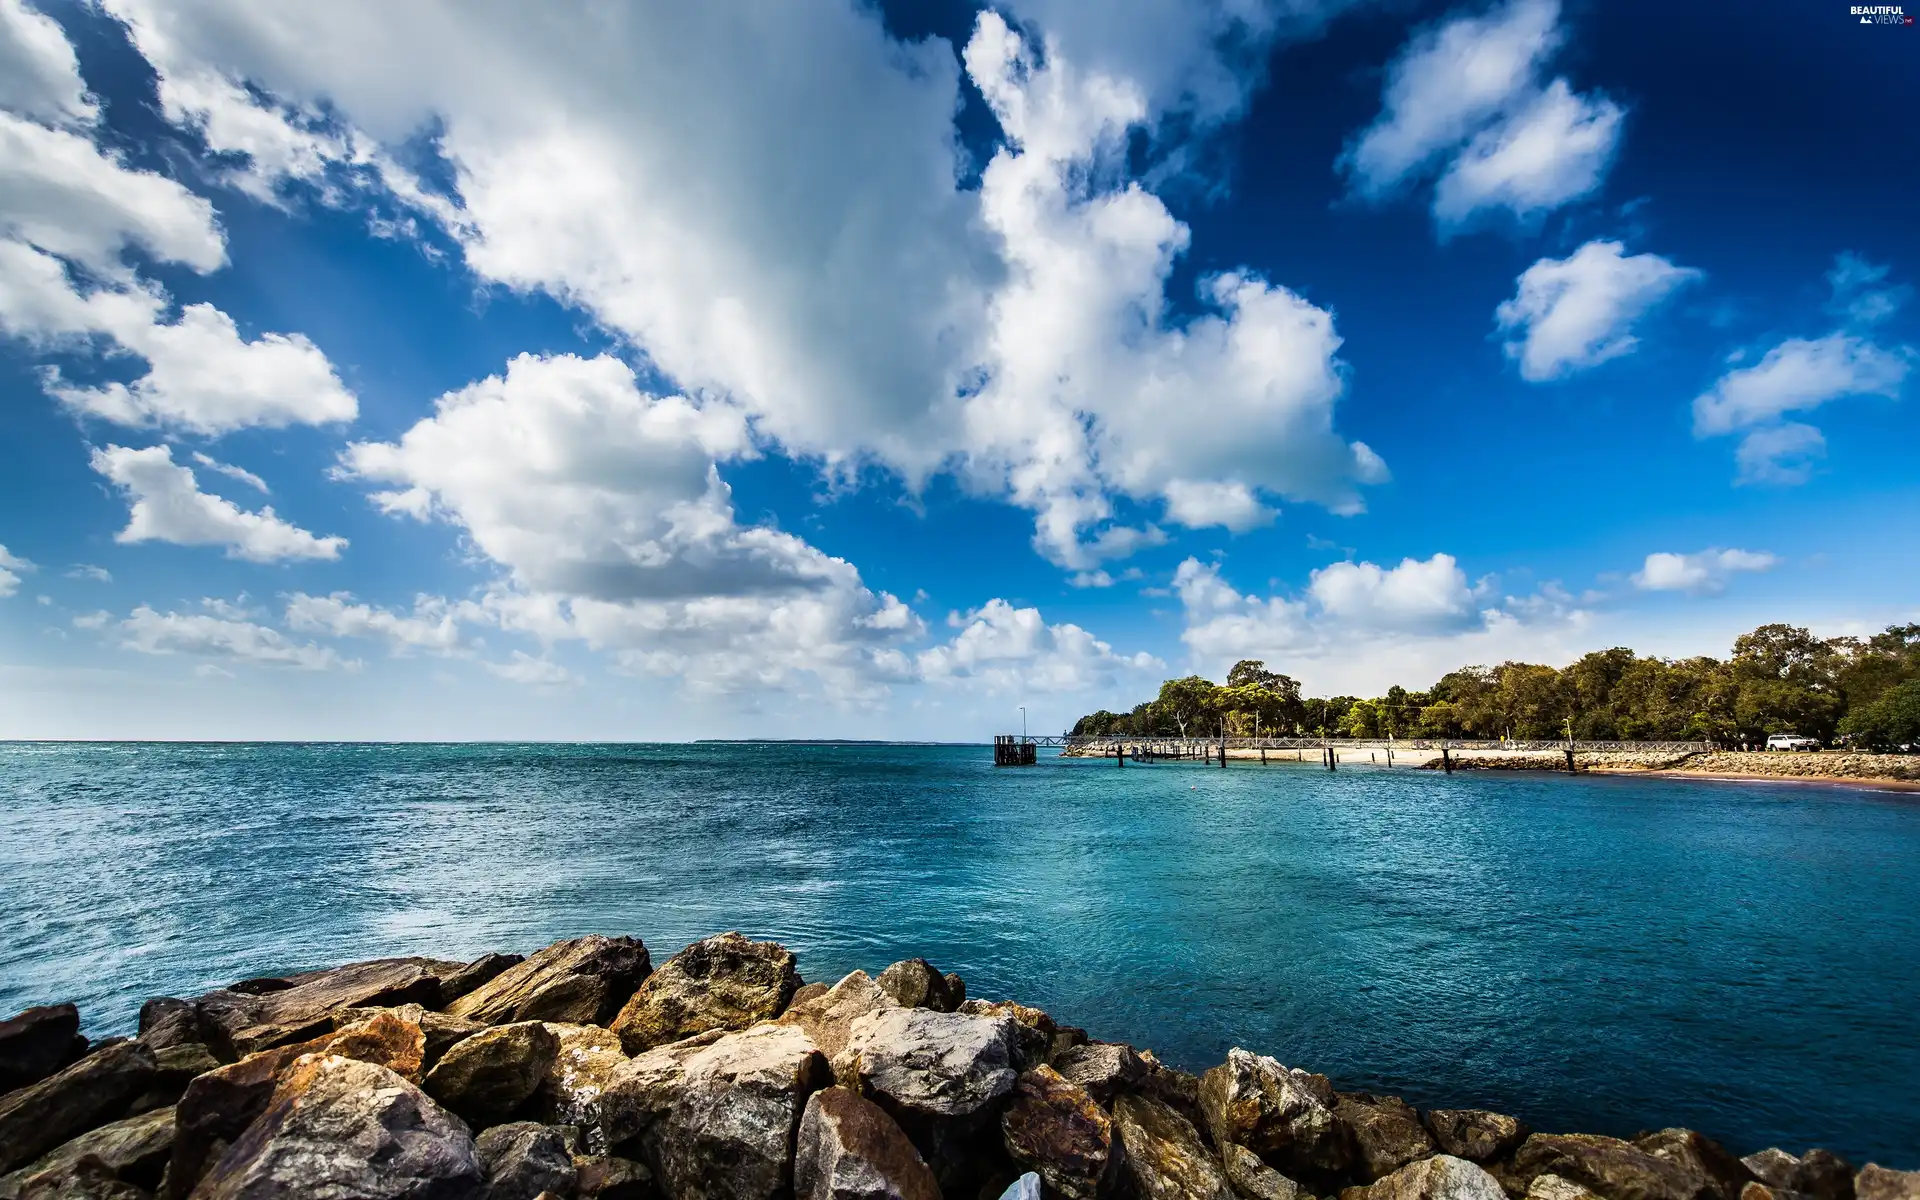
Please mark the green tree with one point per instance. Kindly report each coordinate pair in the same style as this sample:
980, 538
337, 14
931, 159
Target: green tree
1191, 704
1891, 722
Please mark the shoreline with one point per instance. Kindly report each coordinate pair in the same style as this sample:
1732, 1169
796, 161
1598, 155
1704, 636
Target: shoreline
584, 1072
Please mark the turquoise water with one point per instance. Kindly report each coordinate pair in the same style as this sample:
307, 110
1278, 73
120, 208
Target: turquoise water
1596, 954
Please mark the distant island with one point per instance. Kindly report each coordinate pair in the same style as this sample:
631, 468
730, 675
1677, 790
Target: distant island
1860, 692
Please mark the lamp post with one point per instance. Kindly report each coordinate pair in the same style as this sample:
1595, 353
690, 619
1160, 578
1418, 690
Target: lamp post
1023, 722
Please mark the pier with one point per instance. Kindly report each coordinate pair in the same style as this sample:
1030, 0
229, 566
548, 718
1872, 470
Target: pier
1020, 750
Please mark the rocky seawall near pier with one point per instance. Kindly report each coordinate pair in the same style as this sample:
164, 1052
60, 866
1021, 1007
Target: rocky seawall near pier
582, 1071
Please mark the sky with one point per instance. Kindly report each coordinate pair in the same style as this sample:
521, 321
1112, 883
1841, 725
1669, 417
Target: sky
467, 369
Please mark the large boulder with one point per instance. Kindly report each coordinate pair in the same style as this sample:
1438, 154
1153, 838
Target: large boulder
1875, 1182
1054, 1127
916, 983
1474, 1133
1163, 1156
97, 1089
928, 1063
1252, 1179
1817, 1173
849, 1149
1033, 1029
167, 1021
524, 1159
37, 1042
1552, 1187
829, 1016
135, 1150
90, 1179
1284, 1115
239, 1022
1707, 1160
1617, 1170
1442, 1177
486, 1077
610, 1177
580, 981
721, 982
218, 1105
716, 1115
1105, 1069
583, 1067
484, 969
1387, 1133
340, 1127
440, 1030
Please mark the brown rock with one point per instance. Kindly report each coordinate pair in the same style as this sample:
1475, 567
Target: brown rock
806, 992
90, 1179
484, 1078
166, 1021
1105, 1069
218, 1105
1875, 1182
721, 982
608, 1177
340, 1127
583, 1068
97, 1089
440, 1030
850, 1149
1760, 1191
1033, 1030
1552, 1187
581, 981
1474, 1133
1442, 1177
134, 1150
1617, 1170
1284, 1115
1163, 1155
238, 1023
1773, 1167
1054, 1126
484, 969
829, 1016
717, 1114
1824, 1175
1701, 1156
1255, 1180
1387, 1133
914, 983
37, 1042
522, 1160
929, 1063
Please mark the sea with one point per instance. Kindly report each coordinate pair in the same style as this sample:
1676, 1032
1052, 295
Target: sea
1600, 954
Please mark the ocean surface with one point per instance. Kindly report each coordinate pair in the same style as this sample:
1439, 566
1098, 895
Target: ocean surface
1596, 954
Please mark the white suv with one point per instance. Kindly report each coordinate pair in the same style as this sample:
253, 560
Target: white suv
1791, 741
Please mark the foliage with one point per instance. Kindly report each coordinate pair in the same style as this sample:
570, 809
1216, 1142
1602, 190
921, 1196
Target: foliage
1778, 679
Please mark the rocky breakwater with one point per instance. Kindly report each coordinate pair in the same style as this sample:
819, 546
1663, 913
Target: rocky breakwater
583, 1072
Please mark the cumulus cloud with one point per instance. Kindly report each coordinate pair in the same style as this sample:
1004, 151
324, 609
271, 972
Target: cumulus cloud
1416, 594
1782, 455
168, 506
1577, 312
90, 572
12, 566
39, 76
1707, 571
434, 623
1796, 376
522, 667
238, 474
221, 636
1014, 649
1468, 94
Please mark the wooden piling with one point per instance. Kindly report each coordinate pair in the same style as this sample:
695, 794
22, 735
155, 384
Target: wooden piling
1446, 764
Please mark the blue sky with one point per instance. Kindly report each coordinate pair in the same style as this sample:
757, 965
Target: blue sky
453, 371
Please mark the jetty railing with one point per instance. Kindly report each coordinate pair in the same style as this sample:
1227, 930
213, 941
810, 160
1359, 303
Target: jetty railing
1019, 750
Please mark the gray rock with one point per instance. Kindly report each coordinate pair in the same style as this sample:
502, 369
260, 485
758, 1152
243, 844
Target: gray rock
1105, 1069
166, 1021
90, 1179
1055, 1127
1033, 1029
1286, 1116
1772, 1166
134, 1150
238, 1023
609, 1177
928, 1063
915, 983
850, 1149
829, 1016
1875, 1182
581, 981
484, 1078
1163, 1154
1442, 1177
583, 1068
1552, 1187
717, 1114
524, 1159
1253, 1179
97, 1089
37, 1042
340, 1127
1387, 1133
721, 982
1474, 1133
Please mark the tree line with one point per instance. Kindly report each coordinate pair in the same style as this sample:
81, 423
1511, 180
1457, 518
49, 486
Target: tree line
1779, 679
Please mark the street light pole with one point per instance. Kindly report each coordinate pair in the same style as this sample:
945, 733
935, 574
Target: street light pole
1023, 722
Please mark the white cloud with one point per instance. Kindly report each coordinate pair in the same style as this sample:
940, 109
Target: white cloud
11, 568
226, 638
1573, 313
1014, 649
1417, 594
434, 623
168, 506
92, 620
842, 290
1798, 375
239, 474
39, 76
1706, 571
1782, 455
1232, 505
1469, 93
1857, 292
538, 672
90, 572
